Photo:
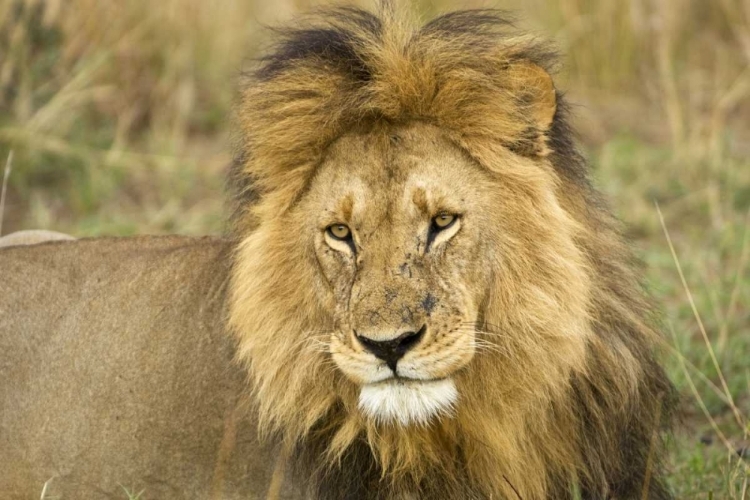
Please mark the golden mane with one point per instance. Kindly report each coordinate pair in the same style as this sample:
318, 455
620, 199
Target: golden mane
345, 67
550, 412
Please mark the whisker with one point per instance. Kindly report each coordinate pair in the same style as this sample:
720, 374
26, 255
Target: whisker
484, 326
311, 339
487, 347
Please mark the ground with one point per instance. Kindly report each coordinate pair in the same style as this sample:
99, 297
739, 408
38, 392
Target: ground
117, 117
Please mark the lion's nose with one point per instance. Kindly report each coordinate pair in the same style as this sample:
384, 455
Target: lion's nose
392, 350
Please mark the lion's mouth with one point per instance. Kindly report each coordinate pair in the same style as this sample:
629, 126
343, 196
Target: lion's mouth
408, 401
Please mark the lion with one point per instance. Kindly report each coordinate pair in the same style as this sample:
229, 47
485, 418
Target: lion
421, 296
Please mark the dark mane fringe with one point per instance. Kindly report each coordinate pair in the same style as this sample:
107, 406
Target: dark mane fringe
358, 476
335, 42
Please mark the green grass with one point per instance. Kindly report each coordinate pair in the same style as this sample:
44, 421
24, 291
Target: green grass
706, 218
117, 113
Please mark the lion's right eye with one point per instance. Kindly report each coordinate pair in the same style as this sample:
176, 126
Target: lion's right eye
340, 237
340, 232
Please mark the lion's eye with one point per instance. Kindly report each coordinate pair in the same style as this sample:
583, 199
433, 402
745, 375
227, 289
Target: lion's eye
340, 232
442, 227
443, 221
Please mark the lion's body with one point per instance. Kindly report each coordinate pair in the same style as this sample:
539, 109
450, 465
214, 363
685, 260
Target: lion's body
504, 354
116, 370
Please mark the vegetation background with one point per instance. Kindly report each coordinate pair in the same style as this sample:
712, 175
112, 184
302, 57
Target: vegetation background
117, 114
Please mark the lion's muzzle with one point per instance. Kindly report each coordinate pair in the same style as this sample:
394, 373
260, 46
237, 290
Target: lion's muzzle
391, 351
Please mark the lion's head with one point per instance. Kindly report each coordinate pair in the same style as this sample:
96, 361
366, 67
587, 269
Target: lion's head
422, 266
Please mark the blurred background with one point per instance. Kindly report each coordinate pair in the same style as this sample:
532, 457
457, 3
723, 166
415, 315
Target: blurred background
117, 115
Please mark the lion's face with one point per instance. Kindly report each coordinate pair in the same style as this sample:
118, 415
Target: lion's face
401, 236
419, 271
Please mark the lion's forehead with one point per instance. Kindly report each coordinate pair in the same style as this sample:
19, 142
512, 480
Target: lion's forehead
381, 177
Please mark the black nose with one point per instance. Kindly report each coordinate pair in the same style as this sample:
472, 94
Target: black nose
391, 351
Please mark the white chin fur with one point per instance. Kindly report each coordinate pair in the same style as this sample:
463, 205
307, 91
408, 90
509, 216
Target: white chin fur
408, 402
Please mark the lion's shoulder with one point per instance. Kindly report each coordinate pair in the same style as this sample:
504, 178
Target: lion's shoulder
155, 267
42, 247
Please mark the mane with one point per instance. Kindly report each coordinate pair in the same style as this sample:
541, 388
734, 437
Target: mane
342, 69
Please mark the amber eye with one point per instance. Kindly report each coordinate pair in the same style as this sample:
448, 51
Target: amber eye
340, 232
443, 221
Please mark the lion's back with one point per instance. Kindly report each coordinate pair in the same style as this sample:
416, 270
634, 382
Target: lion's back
115, 369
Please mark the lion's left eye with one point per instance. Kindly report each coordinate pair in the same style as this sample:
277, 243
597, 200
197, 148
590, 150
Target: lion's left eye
442, 227
443, 221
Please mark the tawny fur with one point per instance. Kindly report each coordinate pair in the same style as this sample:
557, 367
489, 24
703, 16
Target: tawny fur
568, 392
116, 372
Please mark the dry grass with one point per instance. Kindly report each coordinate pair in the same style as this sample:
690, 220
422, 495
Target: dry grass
117, 114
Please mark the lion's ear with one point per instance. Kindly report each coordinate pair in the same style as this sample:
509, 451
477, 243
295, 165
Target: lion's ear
536, 90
